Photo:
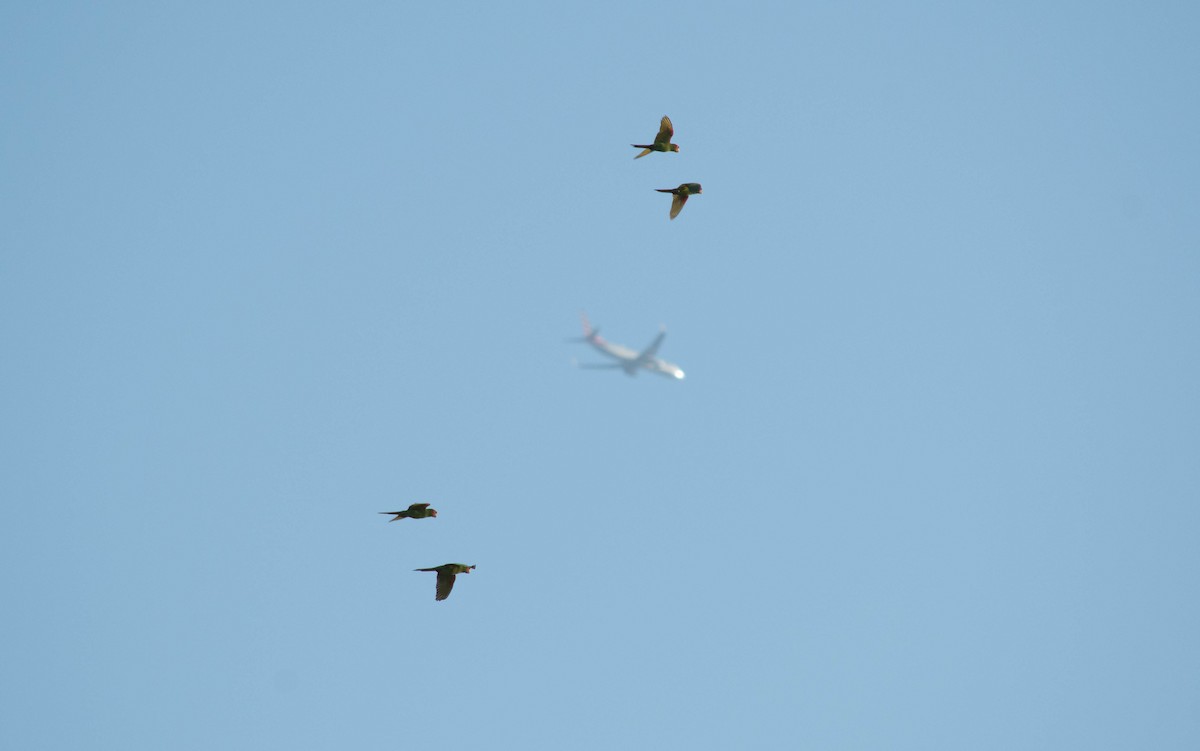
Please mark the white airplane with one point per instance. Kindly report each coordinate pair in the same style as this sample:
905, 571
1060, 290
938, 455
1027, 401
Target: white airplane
628, 360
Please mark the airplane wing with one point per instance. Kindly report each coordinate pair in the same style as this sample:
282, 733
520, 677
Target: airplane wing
648, 353
599, 365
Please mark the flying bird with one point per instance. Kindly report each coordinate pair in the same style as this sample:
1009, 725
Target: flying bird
445, 577
662, 142
415, 511
681, 195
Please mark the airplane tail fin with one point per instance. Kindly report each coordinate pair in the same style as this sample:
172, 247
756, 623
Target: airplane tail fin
589, 334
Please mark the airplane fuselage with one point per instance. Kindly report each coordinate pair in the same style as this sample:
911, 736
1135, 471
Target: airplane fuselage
629, 360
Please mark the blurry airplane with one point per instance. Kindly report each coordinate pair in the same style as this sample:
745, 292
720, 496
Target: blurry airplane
628, 360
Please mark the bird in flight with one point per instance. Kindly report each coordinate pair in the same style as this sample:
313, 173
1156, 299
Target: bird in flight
415, 511
662, 142
445, 577
681, 195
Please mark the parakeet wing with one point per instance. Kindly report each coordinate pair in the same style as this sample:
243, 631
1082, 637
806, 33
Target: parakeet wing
665, 131
445, 583
677, 204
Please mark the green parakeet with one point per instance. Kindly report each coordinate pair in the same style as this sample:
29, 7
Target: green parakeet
681, 195
445, 577
415, 511
662, 142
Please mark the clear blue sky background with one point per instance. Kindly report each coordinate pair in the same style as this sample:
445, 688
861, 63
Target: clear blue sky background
932, 481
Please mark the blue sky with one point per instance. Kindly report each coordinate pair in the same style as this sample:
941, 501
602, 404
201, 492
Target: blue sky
931, 482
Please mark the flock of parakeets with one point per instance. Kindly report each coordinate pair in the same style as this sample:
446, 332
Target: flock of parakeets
445, 572
662, 142
448, 571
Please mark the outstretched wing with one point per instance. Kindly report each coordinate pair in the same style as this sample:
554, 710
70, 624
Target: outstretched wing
677, 204
418, 507
445, 583
648, 353
665, 131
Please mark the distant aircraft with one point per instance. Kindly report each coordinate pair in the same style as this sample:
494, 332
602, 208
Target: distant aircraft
628, 360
